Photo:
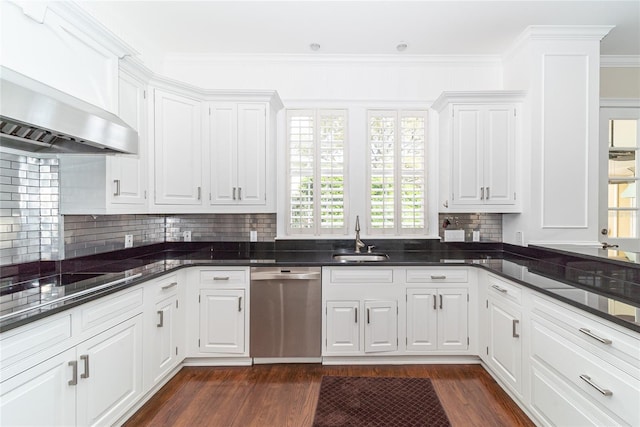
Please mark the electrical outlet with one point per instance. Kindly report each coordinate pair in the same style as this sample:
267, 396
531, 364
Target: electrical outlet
253, 236
128, 240
519, 238
186, 236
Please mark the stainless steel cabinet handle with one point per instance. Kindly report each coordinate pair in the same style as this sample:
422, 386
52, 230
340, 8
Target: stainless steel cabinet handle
594, 336
169, 286
434, 277
221, 278
499, 289
85, 358
587, 379
117, 183
74, 377
487, 192
440, 302
239, 193
514, 325
356, 310
239, 303
368, 316
234, 193
481, 193
434, 302
160, 324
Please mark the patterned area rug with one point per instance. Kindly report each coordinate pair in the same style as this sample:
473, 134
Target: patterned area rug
383, 402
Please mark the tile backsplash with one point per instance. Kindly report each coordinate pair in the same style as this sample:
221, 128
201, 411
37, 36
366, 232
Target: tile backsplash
221, 227
29, 200
488, 224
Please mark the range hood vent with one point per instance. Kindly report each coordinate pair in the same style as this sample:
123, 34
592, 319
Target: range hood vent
38, 118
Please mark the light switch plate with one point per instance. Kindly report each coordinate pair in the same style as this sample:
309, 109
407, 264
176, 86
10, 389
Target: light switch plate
186, 236
128, 240
253, 236
454, 235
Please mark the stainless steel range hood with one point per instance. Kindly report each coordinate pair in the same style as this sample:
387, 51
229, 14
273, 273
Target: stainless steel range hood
38, 118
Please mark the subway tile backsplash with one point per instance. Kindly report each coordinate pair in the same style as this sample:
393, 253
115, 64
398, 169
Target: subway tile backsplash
488, 224
221, 227
29, 199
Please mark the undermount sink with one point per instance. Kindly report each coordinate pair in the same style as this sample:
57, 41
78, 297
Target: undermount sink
363, 257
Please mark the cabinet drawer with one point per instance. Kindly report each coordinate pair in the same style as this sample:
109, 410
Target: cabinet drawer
430, 275
603, 340
361, 275
109, 309
28, 340
504, 289
601, 382
164, 287
224, 277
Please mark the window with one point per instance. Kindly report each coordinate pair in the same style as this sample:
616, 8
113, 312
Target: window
397, 176
622, 203
316, 176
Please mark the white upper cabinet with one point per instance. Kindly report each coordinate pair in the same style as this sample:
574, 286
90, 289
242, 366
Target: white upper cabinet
117, 184
238, 149
178, 149
478, 151
49, 42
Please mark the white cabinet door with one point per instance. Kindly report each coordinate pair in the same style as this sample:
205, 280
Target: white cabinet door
109, 373
238, 153
224, 152
342, 328
505, 345
128, 172
452, 319
381, 326
164, 350
422, 319
252, 139
499, 154
178, 149
467, 167
222, 321
42, 395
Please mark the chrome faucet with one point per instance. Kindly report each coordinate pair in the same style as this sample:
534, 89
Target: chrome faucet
359, 243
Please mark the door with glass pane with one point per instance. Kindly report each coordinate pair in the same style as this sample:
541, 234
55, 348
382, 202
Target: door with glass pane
620, 143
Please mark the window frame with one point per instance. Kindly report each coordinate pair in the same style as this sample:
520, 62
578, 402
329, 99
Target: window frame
398, 230
317, 114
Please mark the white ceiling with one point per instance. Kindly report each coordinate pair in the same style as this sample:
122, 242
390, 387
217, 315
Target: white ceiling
357, 27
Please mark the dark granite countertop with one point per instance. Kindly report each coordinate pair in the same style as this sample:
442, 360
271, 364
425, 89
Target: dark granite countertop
36, 290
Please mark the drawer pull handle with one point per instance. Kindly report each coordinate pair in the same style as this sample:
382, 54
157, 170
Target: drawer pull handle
499, 289
221, 278
85, 358
515, 334
169, 286
603, 391
434, 277
594, 336
434, 303
74, 377
160, 324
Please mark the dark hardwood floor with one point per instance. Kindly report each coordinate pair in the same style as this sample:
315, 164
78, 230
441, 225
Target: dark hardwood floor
286, 395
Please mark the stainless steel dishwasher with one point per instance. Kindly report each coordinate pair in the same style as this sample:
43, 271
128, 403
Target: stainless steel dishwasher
286, 314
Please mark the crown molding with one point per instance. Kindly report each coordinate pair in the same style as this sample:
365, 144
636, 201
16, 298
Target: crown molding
471, 60
620, 61
478, 96
558, 32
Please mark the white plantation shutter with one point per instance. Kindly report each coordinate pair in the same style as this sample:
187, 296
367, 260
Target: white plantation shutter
397, 183
316, 171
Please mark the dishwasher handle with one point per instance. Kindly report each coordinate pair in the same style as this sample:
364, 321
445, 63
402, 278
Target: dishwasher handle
278, 275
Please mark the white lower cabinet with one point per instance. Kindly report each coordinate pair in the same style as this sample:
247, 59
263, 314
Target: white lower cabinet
222, 321
93, 383
47, 384
437, 319
342, 327
380, 326
217, 314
